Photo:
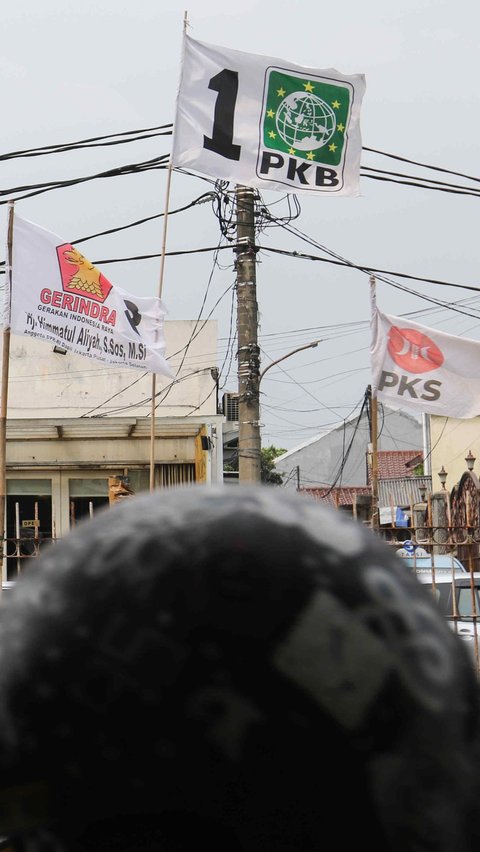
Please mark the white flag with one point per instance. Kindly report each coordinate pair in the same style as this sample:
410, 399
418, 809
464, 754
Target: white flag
264, 122
58, 296
424, 370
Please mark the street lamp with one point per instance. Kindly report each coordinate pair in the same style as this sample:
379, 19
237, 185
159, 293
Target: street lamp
442, 475
470, 460
293, 352
249, 426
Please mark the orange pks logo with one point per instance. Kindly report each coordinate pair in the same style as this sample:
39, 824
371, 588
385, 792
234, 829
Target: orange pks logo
413, 351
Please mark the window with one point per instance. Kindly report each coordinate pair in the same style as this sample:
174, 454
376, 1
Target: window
86, 496
468, 605
28, 520
174, 474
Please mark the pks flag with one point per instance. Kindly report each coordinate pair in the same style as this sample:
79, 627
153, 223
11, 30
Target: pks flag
424, 370
57, 295
264, 122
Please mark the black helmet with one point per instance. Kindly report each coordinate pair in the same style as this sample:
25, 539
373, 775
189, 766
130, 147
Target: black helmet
236, 668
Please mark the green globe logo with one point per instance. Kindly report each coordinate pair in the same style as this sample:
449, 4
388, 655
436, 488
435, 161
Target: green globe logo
305, 122
305, 117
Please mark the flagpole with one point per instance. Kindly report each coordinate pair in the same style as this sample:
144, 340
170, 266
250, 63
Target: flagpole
427, 444
4, 391
160, 290
374, 420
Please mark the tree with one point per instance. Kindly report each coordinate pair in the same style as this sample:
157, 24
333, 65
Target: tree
267, 465
268, 473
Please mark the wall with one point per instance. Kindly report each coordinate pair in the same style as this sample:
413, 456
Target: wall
98, 451
43, 383
320, 460
451, 440
55, 436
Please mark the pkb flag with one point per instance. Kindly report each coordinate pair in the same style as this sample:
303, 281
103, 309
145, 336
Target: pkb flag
268, 123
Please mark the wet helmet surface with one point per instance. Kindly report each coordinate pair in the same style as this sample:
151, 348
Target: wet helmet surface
237, 667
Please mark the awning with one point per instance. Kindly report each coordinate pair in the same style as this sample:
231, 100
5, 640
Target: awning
90, 428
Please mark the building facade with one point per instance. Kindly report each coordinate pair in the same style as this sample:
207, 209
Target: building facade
75, 427
451, 440
339, 457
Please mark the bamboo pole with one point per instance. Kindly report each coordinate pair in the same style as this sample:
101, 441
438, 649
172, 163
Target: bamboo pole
36, 528
17, 535
374, 422
160, 291
4, 394
54, 522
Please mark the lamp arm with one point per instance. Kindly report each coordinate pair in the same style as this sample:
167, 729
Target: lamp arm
293, 352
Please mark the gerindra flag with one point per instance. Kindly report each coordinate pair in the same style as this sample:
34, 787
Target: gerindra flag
267, 123
424, 370
58, 296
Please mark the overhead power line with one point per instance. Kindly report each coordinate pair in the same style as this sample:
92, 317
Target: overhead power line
368, 269
293, 254
93, 142
167, 254
421, 165
206, 196
167, 130
430, 183
419, 185
160, 162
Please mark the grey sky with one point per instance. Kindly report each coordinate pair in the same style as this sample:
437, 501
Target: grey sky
74, 70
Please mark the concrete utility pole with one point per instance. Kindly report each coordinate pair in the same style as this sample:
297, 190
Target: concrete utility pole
249, 442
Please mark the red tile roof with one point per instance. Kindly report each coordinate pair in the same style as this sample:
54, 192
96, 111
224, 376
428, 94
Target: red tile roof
339, 496
393, 464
